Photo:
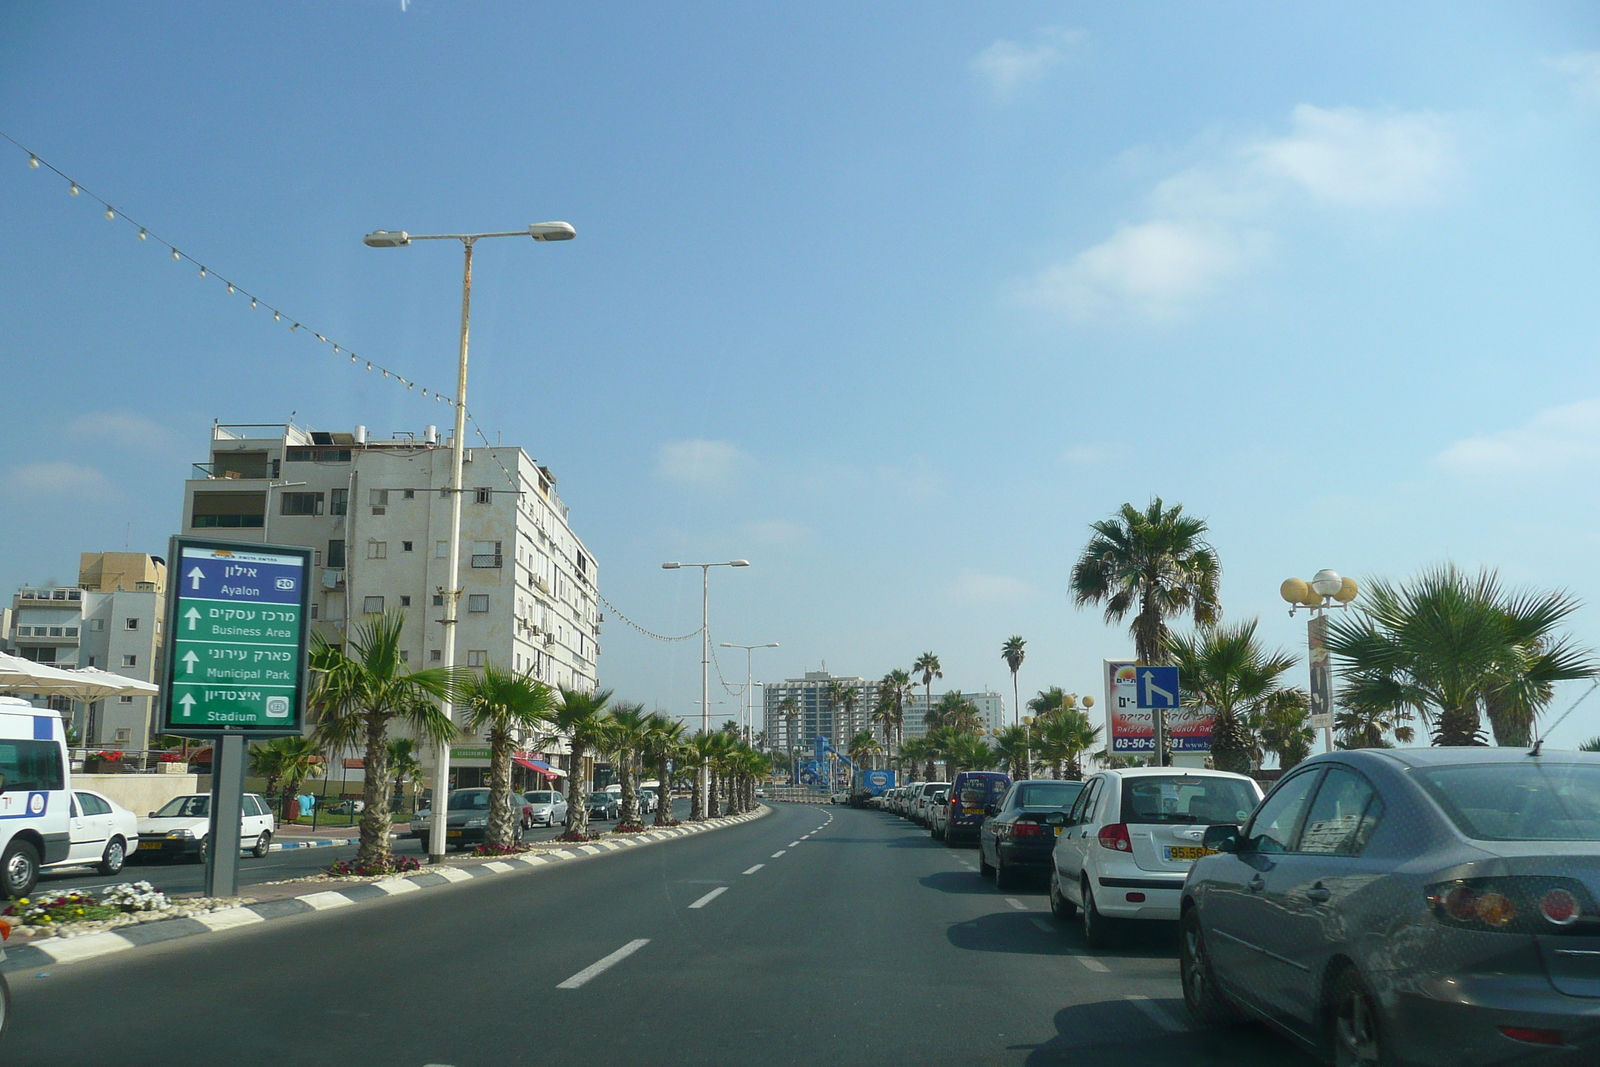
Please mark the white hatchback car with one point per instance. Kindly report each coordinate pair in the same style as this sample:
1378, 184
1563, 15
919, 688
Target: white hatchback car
102, 833
1126, 845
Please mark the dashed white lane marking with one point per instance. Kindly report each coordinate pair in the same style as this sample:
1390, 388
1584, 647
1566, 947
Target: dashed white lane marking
1015, 903
756, 868
792, 844
1041, 924
604, 964
1093, 964
1157, 1013
709, 897
778, 853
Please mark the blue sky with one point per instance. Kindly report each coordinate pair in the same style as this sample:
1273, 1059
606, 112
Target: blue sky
891, 299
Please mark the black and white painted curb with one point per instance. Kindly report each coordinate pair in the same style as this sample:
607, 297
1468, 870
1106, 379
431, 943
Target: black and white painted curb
57, 950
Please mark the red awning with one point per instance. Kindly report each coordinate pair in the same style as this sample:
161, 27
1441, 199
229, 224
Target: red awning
538, 765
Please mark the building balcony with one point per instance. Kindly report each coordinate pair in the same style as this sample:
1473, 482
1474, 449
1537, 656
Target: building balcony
488, 560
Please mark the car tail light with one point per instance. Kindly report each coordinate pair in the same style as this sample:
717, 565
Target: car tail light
1027, 829
1529, 904
1533, 1036
1135, 898
1115, 836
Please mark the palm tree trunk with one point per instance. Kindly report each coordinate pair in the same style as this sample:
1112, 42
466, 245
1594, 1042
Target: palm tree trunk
577, 802
1458, 727
504, 827
630, 791
696, 804
664, 792
711, 793
374, 849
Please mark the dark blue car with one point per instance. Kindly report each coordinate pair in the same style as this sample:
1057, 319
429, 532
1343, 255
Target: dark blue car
972, 794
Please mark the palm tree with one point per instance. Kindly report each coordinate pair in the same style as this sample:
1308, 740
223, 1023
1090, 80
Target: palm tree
897, 684
1224, 668
1153, 563
1062, 738
845, 699
883, 718
581, 718
956, 711
927, 665
863, 746
663, 743
919, 753
1011, 748
358, 690
790, 706
289, 761
701, 747
966, 751
505, 707
1013, 654
1455, 649
1049, 701
626, 732
404, 765
1370, 726
266, 762
1285, 728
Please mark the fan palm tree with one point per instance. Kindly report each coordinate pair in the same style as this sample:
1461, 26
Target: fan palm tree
1224, 668
1011, 748
863, 746
286, 762
581, 719
1012, 652
966, 751
404, 765
842, 700
1062, 738
957, 712
358, 690
505, 707
898, 686
1370, 726
1285, 728
663, 743
919, 754
626, 731
790, 706
700, 748
927, 665
1455, 649
1049, 701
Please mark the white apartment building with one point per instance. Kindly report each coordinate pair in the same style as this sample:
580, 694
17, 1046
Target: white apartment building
991, 706
112, 620
376, 513
817, 714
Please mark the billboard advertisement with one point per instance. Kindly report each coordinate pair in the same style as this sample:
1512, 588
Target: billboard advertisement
876, 782
1132, 732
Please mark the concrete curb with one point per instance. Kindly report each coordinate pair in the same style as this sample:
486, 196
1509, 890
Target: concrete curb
58, 950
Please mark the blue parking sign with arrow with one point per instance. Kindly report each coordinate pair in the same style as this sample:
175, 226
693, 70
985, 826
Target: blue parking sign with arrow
1158, 687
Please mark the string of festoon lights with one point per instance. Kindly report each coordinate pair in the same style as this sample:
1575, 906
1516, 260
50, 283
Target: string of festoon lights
76, 188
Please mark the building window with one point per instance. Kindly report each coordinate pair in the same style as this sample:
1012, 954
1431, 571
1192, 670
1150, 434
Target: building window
441, 550
478, 602
313, 610
438, 600
405, 546
338, 502
72, 631
229, 510
316, 558
130, 624
379, 498
124, 700
372, 605
300, 504
405, 602
405, 657
97, 625
130, 660
92, 659
336, 554
55, 631
377, 550
483, 496
435, 656
486, 554
476, 657
411, 494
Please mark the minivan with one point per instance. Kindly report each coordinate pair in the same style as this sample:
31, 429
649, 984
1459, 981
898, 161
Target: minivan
973, 798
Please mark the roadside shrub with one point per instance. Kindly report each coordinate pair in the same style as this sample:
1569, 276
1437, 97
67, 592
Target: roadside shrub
397, 865
483, 848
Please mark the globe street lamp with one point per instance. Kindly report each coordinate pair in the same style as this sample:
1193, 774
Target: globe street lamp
1326, 589
704, 781
539, 231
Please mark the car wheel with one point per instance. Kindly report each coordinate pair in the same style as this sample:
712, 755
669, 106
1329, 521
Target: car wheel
19, 869
1205, 1000
199, 855
1004, 877
263, 844
1060, 906
949, 842
115, 855
1098, 931
1357, 1031
984, 870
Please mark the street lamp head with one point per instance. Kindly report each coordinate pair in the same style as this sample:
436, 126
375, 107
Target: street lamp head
670, 566
725, 644
1326, 582
770, 644
552, 231
386, 239
1088, 702
1294, 590
1347, 590
739, 563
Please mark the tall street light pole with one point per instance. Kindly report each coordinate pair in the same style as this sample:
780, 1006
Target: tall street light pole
1325, 589
704, 780
749, 692
539, 231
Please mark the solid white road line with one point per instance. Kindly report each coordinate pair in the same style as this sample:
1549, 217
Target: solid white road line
1015, 903
778, 853
756, 868
1157, 1013
709, 897
605, 964
1093, 964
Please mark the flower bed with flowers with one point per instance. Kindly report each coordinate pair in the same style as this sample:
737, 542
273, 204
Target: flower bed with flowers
485, 849
80, 911
573, 835
396, 865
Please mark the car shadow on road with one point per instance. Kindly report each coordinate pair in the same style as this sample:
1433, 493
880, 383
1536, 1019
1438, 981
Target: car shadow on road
1007, 931
1116, 1034
961, 883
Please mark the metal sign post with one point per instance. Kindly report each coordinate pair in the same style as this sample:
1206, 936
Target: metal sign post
237, 621
1321, 681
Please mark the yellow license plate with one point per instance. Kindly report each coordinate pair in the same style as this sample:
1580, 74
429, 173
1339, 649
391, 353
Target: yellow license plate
1058, 831
972, 811
149, 844
452, 833
1188, 852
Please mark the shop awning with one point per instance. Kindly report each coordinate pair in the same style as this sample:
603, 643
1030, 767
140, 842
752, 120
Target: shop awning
539, 765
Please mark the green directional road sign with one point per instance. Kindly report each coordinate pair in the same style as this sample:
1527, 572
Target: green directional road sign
236, 627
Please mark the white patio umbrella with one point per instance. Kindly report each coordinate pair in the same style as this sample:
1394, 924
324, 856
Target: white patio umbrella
92, 683
18, 675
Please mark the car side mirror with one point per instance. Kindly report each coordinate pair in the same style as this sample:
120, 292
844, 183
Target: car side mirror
1056, 818
991, 809
150, 815
1222, 837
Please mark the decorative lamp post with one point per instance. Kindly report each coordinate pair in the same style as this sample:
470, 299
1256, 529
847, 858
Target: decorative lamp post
1326, 589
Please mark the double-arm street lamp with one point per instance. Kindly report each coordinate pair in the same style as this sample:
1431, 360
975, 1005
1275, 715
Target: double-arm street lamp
1326, 589
749, 718
705, 654
539, 231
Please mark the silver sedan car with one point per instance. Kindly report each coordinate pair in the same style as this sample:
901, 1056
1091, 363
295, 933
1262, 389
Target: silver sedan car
1409, 906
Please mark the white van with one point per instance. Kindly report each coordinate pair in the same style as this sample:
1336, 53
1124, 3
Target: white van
35, 804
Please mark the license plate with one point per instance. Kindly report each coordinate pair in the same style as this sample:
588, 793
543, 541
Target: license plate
1187, 852
149, 845
1058, 831
452, 833
972, 811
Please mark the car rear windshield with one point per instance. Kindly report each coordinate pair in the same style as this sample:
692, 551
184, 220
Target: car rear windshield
476, 800
977, 791
933, 787
1532, 801
1186, 798
1048, 795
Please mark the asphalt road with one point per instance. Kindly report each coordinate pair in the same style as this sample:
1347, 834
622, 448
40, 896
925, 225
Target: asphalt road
183, 876
815, 935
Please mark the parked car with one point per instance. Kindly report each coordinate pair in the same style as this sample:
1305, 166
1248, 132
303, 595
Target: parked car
1017, 835
1427, 906
466, 818
938, 814
841, 797
919, 801
973, 798
546, 807
182, 824
102, 832
902, 806
603, 805
1130, 839
648, 801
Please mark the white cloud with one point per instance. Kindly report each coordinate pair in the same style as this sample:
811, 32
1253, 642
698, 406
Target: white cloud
124, 428
59, 478
1554, 439
1009, 65
974, 588
1218, 217
1348, 157
1584, 70
702, 463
